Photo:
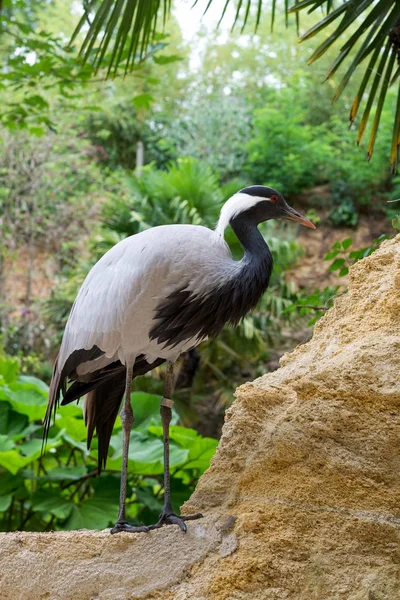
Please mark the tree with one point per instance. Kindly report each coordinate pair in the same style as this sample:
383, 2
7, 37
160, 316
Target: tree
372, 30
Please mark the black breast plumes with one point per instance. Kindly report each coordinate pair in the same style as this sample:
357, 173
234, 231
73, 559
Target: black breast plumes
184, 314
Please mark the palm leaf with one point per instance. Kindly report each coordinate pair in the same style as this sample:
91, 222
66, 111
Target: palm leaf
394, 152
114, 22
381, 100
372, 94
123, 30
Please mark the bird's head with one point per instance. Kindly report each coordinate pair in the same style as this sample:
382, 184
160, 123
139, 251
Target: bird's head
259, 203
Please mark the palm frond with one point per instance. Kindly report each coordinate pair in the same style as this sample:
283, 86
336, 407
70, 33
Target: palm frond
129, 26
378, 32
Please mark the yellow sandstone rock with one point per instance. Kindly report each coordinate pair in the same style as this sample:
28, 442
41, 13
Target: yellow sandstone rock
302, 500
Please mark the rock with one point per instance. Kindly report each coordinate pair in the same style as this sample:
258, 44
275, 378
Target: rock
302, 499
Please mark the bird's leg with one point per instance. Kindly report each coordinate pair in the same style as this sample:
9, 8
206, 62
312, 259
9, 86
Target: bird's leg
166, 416
167, 515
127, 419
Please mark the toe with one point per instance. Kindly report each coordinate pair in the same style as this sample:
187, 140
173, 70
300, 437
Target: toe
129, 528
174, 520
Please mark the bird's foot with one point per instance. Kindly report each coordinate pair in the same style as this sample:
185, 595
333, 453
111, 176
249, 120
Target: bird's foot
170, 518
166, 518
124, 526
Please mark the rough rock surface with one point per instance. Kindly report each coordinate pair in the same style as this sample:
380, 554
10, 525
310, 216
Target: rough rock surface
302, 498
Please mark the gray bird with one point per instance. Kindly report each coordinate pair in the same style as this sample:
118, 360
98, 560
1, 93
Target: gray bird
152, 297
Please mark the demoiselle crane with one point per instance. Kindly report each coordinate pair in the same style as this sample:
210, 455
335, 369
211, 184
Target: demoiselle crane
150, 298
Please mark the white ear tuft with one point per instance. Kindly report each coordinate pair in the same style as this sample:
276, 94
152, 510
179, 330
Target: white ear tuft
232, 207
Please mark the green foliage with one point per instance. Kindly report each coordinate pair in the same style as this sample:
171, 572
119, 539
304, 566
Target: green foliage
396, 222
352, 21
187, 193
352, 177
277, 150
115, 134
342, 257
343, 213
214, 128
313, 304
61, 491
48, 191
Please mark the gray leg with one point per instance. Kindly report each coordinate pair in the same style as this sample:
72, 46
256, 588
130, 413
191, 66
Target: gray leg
127, 419
167, 515
166, 416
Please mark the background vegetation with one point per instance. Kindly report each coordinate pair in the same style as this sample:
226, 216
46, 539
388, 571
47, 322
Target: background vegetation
214, 111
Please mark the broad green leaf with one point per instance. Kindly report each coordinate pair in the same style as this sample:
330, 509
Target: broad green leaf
101, 510
6, 443
70, 410
38, 131
27, 432
32, 448
146, 456
347, 243
66, 473
29, 397
331, 255
11, 422
337, 264
93, 514
36, 101
146, 408
180, 492
74, 427
49, 500
5, 502
28, 382
10, 483
357, 254
146, 496
9, 368
396, 222
181, 435
72, 442
200, 453
149, 457
13, 461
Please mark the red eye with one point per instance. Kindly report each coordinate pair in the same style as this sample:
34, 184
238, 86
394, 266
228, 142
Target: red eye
274, 199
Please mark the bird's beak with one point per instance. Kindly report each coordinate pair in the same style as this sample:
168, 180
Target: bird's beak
292, 215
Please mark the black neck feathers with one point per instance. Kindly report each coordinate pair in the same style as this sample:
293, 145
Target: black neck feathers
256, 265
245, 228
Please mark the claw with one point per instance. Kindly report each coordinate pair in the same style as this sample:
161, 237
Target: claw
175, 520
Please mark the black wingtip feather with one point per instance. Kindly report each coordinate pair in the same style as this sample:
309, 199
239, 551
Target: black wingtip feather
104, 393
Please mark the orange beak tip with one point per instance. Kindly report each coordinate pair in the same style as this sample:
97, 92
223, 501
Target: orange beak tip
300, 219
